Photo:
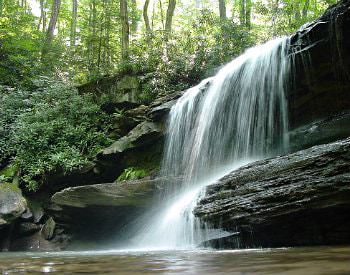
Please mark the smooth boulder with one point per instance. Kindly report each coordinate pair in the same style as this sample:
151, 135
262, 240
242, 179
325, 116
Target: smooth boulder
12, 203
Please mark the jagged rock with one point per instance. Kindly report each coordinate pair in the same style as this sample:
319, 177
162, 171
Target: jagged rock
138, 114
12, 203
48, 229
143, 134
160, 112
297, 199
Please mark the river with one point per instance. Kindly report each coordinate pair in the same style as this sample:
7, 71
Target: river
290, 261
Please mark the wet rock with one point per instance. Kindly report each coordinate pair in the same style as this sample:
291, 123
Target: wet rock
136, 193
48, 229
323, 131
27, 215
12, 203
27, 228
160, 108
35, 243
322, 67
297, 199
160, 112
97, 212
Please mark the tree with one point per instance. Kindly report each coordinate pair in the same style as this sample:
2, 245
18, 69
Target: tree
248, 12
245, 10
42, 18
222, 9
169, 16
55, 10
134, 16
1, 6
146, 18
74, 22
124, 20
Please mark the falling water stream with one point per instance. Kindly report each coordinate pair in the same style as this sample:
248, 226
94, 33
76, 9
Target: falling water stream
238, 116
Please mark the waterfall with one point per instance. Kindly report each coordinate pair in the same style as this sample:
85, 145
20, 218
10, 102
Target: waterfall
238, 116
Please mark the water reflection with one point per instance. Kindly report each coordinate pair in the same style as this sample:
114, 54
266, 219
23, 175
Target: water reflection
320, 260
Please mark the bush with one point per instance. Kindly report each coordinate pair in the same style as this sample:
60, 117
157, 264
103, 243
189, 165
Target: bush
133, 173
50, 129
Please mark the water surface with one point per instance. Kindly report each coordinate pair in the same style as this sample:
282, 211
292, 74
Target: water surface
290, 261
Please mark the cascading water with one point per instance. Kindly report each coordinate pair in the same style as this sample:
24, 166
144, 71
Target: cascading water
240, 117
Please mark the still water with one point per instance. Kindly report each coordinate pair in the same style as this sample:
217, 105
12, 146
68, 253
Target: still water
316, 260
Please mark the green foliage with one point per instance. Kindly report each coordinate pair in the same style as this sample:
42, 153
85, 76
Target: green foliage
51, 128
9, 171
284, 17
133, 173
204, 44
19, 44
46, 126
9, 186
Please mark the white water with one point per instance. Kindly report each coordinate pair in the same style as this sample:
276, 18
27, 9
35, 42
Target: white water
241, 117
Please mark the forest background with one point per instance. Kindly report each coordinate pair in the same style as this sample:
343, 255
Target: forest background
49, 47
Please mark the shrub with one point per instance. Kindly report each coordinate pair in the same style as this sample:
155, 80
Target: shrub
50, 129
133, 173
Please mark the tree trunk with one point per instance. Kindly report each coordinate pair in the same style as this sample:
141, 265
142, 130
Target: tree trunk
44, 22
89, 40
161, 13
1, 7
41, 14
73, 30
108, 30
169, 16
222, 9
134, 17
146, 18
248, 11
242, 12
102, 25
55, 10
275, 5
124, 20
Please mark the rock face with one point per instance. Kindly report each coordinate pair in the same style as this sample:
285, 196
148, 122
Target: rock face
12, 203
99, 211
137, 193
297, 199
143, 134
322, 67
320, 132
